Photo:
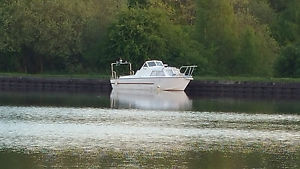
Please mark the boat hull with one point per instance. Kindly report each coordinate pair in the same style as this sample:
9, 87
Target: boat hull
162, 83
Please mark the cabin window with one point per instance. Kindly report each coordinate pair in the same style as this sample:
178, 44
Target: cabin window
151, 64
157, 73
145, 65
159, 64
170, 72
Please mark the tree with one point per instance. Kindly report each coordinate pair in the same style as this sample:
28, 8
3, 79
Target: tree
99, 15
288, 64
138, 3
141, 34
40, 31
258, 49
135, 37
183, 11
54, 35
287, 27
216, 30
262, 10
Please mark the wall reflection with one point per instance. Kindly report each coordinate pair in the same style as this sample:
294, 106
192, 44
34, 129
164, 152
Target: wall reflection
150, 100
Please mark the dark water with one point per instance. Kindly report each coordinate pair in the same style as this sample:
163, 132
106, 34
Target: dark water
147, 130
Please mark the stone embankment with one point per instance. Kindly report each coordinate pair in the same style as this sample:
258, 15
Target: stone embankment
53, 84
245, 89
205, 88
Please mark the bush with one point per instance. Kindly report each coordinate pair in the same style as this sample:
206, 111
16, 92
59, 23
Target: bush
141, 34
288, 64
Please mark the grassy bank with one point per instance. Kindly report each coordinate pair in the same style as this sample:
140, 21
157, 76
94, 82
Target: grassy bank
107, 76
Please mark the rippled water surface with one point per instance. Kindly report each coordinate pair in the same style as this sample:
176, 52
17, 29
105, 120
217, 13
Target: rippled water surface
147, 130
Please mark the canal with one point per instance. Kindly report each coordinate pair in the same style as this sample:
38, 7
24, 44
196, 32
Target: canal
122, 129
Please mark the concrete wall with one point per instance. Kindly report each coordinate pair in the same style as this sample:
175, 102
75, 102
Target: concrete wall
247, 89
208, 88
53, 84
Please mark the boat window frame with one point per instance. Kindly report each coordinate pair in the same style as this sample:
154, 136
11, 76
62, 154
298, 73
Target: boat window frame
150, 62
170, 72
145, 65
159, 63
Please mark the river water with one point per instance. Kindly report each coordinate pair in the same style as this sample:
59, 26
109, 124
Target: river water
125, 129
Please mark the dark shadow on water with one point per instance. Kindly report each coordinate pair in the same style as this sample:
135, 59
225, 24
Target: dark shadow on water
156, 100
54, 99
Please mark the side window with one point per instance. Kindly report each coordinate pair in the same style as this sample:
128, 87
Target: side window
170, 72
145, 65
151, 64
159, 64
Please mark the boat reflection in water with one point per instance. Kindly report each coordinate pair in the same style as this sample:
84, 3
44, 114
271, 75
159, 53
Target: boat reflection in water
150, 100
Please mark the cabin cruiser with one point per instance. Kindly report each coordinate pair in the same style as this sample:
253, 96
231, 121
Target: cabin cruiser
152, 75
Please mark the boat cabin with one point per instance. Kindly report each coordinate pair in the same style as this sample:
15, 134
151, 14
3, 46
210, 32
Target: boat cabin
156, 68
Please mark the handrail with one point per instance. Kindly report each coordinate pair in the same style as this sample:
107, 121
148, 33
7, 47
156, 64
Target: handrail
188, 70
114, 75
118, 63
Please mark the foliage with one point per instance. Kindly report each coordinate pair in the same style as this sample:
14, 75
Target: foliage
223, 37
138, 3
215, 29
241, 44
141, 34
183, 11
40, 31
288, 64
46, 34
287, 27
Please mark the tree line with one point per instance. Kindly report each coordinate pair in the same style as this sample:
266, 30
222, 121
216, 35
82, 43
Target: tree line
222, 37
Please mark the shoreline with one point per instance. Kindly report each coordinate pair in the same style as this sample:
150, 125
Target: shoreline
196, 87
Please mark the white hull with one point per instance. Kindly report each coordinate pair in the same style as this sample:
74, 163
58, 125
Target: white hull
162, 83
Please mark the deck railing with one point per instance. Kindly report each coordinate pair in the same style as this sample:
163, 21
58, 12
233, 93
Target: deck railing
118, 63
187, 70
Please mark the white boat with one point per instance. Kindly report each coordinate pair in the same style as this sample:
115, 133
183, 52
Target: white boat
153, 75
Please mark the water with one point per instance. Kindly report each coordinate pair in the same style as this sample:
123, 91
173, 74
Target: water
146, 130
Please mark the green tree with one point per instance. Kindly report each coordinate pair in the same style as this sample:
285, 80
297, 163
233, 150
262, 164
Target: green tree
54, 35
258, 49
138, 3
183, 11
135, 36
140, 34
262, 10
99, 15
216, 29
247, 59
40, 31
287, 27
288, 64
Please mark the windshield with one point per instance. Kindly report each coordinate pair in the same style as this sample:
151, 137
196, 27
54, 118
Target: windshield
151, 64
159, 64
